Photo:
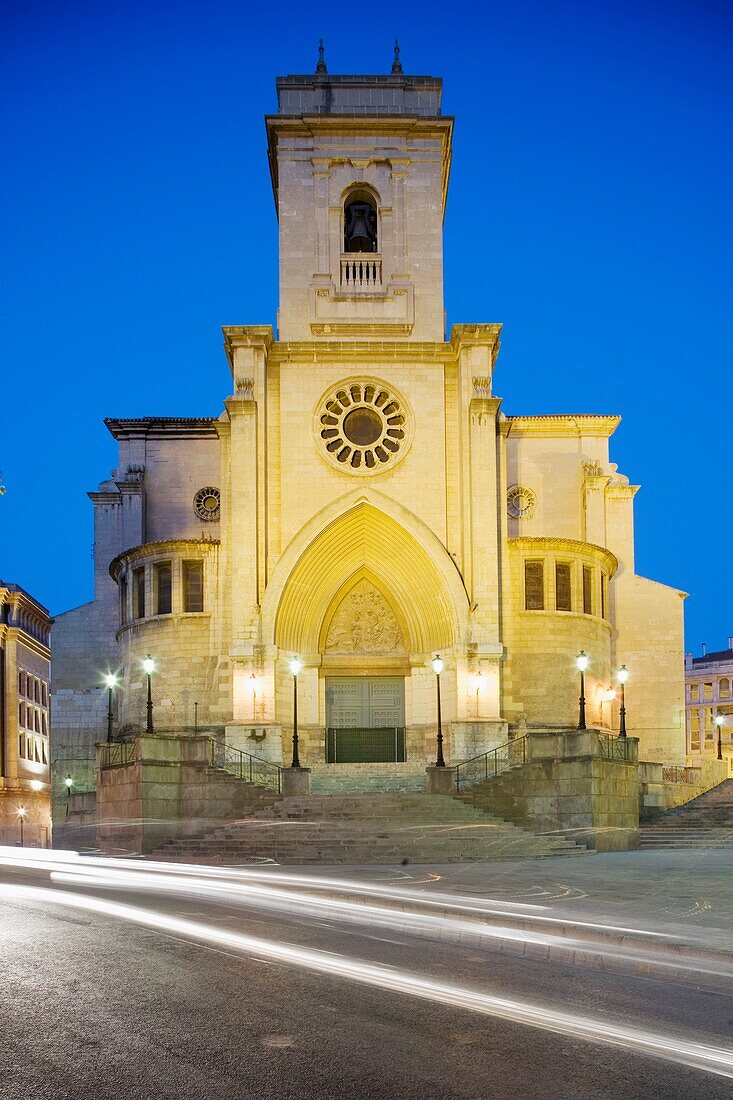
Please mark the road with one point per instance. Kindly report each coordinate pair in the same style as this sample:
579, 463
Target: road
134, 981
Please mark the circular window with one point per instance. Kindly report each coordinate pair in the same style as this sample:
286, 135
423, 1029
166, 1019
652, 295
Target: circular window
520, 502
207, 503
362, 427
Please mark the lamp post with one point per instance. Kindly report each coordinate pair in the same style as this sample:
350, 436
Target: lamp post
149, 667
295, 669
622, 676
111, 682
582, 662
69, 782
719, 720
437, 669
21, 819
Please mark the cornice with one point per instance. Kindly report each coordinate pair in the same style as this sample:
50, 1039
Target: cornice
152, 549
158, 426
563, 424
387, 351
575, 546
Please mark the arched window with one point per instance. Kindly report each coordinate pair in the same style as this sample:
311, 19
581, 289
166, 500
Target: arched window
724, 688
360, 222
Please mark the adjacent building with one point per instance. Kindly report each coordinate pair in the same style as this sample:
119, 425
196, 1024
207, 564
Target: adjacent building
709, 697
363, 502
25, 720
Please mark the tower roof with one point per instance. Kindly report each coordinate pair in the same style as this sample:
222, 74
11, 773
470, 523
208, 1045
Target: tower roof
394, 94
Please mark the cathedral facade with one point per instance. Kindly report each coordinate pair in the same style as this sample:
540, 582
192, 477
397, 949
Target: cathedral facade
363, 503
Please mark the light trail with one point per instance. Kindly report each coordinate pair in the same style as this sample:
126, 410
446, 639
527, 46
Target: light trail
675, 1049
50, 860
294, 903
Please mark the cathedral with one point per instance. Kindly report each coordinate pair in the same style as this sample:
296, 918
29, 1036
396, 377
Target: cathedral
363, 505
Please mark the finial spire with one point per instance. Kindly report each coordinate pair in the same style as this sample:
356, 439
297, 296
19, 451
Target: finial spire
321, 66
396, 64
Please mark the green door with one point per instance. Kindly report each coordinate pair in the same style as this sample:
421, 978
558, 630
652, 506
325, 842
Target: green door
365, 719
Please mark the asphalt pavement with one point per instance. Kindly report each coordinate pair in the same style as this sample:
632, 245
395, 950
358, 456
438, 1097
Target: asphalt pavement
497, 984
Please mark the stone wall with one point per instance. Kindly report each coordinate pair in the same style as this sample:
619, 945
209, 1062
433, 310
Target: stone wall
568, 787
169, 791
658, 794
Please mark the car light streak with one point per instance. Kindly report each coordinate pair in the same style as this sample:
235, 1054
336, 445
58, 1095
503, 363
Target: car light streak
671, 1048
294, 903
50, 860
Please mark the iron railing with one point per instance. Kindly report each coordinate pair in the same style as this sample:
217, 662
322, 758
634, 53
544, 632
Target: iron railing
676, 773
382, 745
244, 766
617, 748
113, 754
492, 763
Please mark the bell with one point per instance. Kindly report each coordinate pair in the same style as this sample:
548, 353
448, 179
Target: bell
361, 228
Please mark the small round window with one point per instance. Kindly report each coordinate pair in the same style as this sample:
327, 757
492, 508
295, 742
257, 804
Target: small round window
363, 427
207, 503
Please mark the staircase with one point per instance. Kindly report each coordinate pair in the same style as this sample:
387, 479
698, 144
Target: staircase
366, 828
705, 822
386, 778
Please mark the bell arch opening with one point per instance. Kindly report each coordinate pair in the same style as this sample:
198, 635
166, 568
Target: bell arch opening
361, 222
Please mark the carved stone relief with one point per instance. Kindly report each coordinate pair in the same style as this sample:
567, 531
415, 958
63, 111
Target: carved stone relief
364, 623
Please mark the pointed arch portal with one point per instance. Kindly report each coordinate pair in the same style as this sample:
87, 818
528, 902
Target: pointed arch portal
367, 542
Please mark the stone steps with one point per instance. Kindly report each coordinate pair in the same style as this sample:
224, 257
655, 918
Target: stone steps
360, 828
705, 822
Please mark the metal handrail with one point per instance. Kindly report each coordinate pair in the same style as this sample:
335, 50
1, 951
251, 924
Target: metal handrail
677, 773
252, 769
115, 754
616, 748
489, 764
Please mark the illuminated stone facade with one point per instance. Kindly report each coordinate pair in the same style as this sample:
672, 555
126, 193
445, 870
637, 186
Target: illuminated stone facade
363, 502
709, 689
25, 719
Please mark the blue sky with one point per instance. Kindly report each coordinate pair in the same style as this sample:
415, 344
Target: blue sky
589, 211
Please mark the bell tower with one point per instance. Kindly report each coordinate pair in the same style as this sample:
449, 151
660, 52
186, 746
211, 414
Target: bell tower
360, 168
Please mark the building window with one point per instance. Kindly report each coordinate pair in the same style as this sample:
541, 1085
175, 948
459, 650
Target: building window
44, 694
138, 593
123, 600
193, 586
724, 688
534, 586
695, 729
37, 690
21, 746
21, 714
37, 721
563, 597
163, 588
587, 590
694, 692
21, 683
708, 724
44, 725
44, 754
36, 751
707, 692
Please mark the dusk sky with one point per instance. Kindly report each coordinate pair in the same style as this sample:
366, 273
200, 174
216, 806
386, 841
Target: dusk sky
589, 211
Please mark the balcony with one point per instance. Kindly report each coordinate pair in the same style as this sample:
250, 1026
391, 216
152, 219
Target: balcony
361, 272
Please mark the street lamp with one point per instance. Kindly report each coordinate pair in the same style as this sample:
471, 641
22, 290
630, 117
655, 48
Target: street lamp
149, 667
111, 681
622, 676
437, 669
582, 662
719, 720
295, 669
69, 782
21, 818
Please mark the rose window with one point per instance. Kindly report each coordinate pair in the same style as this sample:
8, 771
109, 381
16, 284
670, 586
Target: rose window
207, 503
363, 427
520, 502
